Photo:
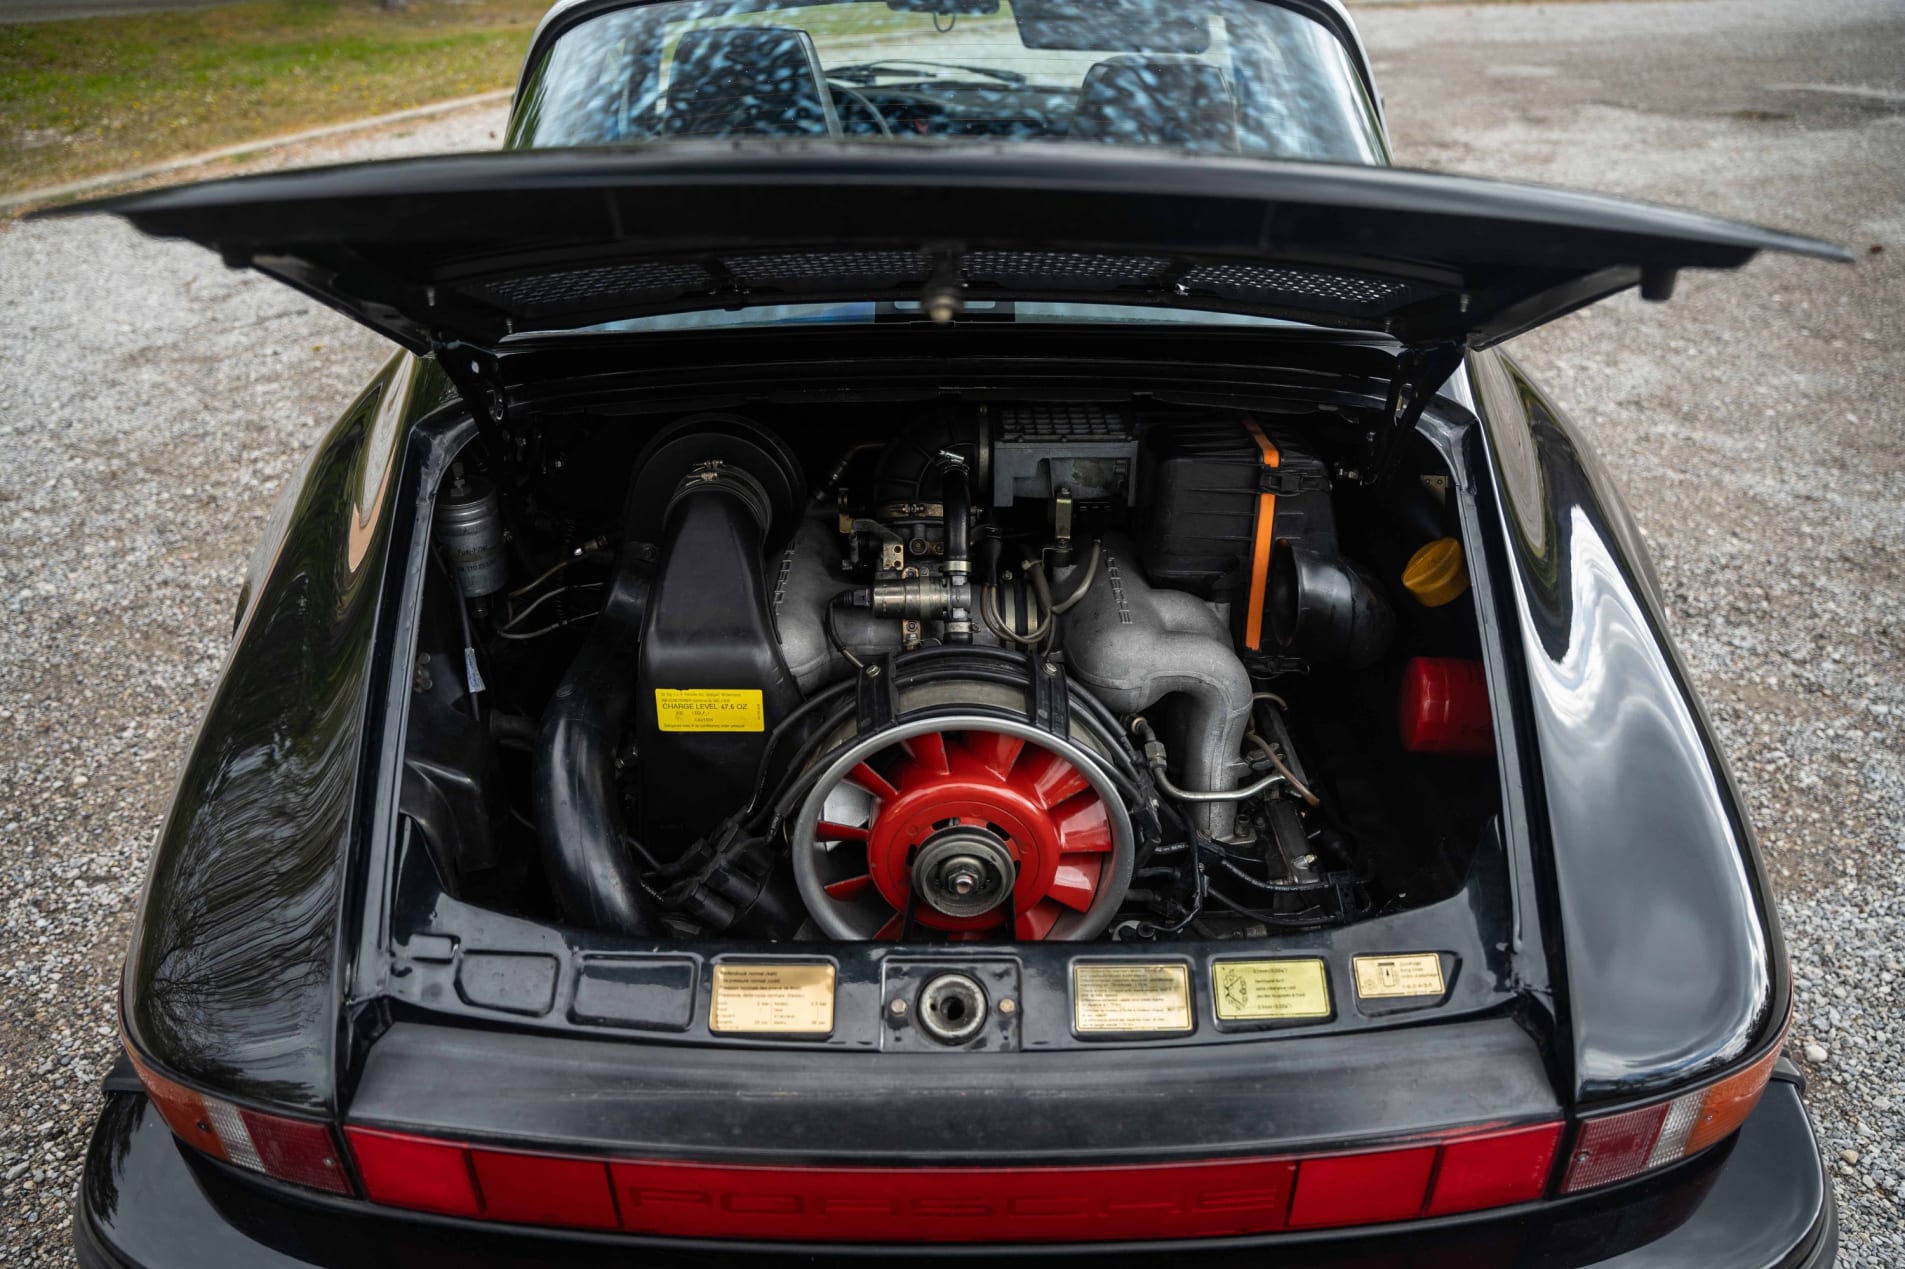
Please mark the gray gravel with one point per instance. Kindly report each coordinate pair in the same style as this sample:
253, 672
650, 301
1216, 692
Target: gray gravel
152, 403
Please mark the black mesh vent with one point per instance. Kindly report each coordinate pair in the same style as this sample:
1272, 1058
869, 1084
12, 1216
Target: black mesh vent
829, 270
1306, 286
1052, 421
589, 289
1062, 270
632, 287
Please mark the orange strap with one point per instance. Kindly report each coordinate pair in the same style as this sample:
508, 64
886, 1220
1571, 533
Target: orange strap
1266, 537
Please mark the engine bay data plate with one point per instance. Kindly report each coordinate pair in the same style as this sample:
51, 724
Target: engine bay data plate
1127, 998
754, 998
1412, 974
1252, 991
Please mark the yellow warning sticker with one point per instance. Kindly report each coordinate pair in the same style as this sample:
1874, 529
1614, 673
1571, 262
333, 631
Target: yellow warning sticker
1130, 998
1253, 990
757, 999
708, 709
1413, 974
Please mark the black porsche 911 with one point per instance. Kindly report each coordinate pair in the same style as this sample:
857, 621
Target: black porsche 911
951, 638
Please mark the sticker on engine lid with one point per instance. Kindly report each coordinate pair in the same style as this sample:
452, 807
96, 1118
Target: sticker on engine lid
1413, 974
755, 998
1124, 997
1251, 991
708, 709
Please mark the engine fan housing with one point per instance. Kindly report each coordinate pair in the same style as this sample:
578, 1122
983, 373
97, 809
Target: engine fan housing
962, 826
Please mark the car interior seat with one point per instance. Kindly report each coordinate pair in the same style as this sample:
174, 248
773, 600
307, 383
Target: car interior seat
1152, 101
748, 81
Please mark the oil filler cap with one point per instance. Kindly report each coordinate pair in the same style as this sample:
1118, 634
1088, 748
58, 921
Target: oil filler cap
1436, 575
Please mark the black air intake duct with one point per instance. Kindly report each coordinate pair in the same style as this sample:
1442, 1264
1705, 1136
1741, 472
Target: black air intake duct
710, 491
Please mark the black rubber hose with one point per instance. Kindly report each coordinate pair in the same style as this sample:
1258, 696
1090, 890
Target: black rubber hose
577, 805
956, 497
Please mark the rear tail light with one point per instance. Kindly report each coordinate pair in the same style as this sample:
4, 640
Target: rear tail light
1614, 1147
296, 1150
1493, 1169
1208, 1198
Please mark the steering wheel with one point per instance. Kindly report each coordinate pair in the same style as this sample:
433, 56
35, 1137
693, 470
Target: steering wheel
855, 98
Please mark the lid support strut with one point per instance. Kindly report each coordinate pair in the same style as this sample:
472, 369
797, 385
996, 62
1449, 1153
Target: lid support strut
1420, 370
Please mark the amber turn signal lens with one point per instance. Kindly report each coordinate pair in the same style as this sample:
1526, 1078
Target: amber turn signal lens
1612, 1148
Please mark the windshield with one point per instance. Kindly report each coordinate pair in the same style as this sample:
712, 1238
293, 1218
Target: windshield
873, 312
1213, 76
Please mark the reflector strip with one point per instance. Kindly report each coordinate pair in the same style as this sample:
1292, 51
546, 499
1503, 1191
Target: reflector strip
1614, 1147
1208, 1199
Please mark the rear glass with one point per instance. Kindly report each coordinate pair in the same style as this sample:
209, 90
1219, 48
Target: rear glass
1212, 76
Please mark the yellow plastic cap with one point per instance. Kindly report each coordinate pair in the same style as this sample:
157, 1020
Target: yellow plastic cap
1435, 574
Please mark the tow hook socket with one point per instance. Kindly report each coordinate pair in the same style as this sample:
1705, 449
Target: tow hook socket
952, 1008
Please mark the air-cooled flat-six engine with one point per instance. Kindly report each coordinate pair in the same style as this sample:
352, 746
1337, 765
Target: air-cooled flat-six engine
1023, 671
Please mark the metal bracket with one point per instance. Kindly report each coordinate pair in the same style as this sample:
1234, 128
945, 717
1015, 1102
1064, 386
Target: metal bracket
943, 298
473, 372
1048, 698
876, 699
1284, 480
1420, 370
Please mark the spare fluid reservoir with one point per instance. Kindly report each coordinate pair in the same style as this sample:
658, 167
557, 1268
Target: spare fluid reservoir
1443, 708
469, 524
1435, 575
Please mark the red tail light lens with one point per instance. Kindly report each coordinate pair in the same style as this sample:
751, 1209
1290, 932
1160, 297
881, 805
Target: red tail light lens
415, 1172
295, 1150
1493, 1169
1612, 1148
537, 1190
1362, 1189
1204, 1199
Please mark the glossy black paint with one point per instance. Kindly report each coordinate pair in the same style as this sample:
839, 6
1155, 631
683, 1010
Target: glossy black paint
476, 247
1762, 1202
232, 974
1674, 964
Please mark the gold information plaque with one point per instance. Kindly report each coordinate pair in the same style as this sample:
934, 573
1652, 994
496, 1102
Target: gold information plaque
1249, 991
772, 999
1130, 998
1413, 974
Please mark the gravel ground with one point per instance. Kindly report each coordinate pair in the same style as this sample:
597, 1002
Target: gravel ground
152, 403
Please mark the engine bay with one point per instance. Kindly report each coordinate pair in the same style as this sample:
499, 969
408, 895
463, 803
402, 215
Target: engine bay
950, 672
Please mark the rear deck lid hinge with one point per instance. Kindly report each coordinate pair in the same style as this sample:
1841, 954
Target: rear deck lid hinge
1420, 370
479, 381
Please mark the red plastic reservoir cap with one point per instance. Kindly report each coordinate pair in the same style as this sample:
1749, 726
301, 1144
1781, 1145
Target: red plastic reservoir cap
1443, 708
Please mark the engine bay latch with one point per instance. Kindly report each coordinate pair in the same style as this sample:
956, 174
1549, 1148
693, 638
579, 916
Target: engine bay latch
950, 1003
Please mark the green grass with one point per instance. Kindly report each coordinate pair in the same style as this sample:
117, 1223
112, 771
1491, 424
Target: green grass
95, 95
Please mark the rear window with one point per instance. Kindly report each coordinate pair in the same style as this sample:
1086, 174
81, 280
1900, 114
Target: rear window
1213, 76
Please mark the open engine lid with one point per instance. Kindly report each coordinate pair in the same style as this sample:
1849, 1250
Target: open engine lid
473, 249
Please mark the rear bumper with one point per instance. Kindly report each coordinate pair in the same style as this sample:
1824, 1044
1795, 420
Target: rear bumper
1763, 1203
